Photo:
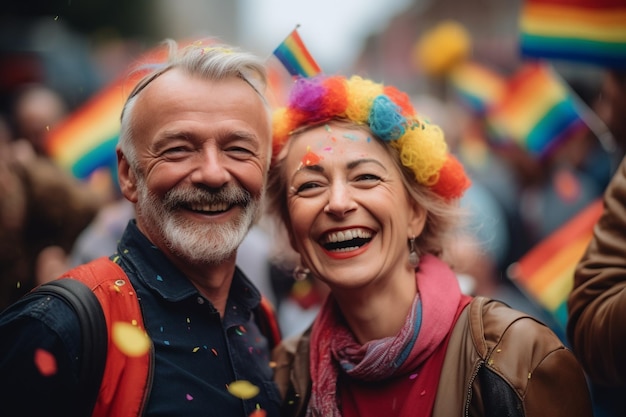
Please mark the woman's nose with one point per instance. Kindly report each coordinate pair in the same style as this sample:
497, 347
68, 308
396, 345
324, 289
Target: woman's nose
340, 200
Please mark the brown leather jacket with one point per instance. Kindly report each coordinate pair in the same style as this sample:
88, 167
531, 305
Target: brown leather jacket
597, 304
499, 362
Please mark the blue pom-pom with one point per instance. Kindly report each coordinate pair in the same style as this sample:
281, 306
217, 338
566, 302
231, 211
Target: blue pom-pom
385, 119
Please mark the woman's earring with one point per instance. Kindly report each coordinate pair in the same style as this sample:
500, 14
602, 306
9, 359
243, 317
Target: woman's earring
301, 273
414, 258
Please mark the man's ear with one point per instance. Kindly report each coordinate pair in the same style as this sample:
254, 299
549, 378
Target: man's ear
126, 178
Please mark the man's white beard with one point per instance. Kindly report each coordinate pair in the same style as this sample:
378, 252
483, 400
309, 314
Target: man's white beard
193, 241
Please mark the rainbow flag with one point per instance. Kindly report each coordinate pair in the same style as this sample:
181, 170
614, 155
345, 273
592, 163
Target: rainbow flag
476, 86
589, 31
85, 141
537, 111
546, 272
295, 57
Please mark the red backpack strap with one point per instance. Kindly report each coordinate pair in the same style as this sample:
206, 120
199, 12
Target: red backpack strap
96, 272
267, 322
125, 380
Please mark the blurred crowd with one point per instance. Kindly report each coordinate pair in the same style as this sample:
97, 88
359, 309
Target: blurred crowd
50, 220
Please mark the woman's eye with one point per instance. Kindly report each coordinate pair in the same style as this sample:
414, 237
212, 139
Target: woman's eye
307, 186
368, 177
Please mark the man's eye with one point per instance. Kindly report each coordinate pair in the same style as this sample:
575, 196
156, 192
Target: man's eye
176, 149
240, 149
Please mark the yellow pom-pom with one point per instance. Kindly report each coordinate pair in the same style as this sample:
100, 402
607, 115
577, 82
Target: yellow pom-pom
439, 50
361, 94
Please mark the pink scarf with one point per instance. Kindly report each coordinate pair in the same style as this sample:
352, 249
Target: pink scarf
334, 349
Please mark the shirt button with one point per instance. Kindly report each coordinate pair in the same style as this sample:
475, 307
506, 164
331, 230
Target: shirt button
200, 300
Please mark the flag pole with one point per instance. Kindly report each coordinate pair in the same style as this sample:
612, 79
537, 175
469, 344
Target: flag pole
593, 121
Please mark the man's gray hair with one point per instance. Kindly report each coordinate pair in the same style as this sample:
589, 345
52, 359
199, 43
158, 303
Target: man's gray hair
210, 61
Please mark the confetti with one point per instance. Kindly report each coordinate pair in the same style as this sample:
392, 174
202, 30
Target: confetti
214, 352
258, 413
243, 389
311, 158
131, 340
45, 362
189, 397
197, 348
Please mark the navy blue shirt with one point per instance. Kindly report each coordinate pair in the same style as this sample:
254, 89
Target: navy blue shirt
196, 353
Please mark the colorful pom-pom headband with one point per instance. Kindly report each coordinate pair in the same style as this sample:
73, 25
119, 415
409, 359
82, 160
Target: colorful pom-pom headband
390, 116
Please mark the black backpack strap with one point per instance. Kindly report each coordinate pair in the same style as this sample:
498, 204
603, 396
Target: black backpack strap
94, 334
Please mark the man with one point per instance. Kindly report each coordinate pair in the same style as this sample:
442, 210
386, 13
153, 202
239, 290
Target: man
597, 302
193, 155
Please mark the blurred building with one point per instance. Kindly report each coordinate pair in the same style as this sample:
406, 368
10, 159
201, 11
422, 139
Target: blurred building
493, 26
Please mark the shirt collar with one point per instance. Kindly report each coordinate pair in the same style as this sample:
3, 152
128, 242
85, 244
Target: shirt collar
161, 276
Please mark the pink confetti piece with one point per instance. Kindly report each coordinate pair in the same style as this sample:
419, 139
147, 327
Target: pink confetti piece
189, 397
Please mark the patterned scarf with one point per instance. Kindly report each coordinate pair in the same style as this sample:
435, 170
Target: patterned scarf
334, 349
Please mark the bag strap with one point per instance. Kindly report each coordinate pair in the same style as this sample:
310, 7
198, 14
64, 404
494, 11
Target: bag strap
267, 322
94, 334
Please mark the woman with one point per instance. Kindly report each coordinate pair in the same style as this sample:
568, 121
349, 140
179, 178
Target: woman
368, 194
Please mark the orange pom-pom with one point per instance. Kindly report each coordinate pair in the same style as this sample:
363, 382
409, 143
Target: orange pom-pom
281, 126
453, 180
336, 99
401, 98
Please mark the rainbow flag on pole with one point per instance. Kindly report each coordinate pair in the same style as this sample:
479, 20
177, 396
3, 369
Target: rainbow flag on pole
295, 57
546, 272
537, 111
589, 31
85, 141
